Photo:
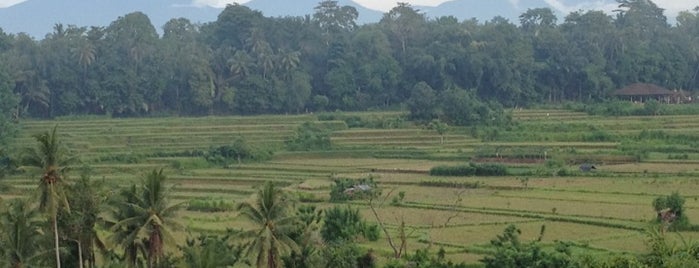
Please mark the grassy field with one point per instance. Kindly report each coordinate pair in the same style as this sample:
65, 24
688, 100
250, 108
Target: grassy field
637, 159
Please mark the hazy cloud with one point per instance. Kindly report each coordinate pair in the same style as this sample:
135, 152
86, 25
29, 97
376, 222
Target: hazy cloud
216, 3
7, 3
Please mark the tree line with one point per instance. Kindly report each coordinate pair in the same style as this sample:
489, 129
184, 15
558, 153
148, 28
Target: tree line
246, 63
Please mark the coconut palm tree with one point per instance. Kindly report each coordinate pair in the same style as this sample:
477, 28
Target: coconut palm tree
20, 233
274, 225
145, 220
86, 198
52, 159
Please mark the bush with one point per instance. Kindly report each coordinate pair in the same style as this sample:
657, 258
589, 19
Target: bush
309, 137
450, 184
240, 151
345, 225
210, 205
670, 211
349, 189
470, 170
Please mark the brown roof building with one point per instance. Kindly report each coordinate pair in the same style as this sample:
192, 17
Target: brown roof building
640, 92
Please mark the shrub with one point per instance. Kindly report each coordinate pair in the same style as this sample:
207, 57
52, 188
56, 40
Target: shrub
451, 184
350, 189
309, 137
345, 225
670, 211
240, 151
210, 205
470, 170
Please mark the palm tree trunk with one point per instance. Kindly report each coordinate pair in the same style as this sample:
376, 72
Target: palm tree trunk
55, 237
80, 253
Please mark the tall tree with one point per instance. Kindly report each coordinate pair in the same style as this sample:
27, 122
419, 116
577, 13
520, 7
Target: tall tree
335, 21
274, 224
145, 219
132, 76
51, 158
86, 198
8, 105
405, 23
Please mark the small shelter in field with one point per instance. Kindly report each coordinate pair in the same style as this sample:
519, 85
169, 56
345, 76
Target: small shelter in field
642, 92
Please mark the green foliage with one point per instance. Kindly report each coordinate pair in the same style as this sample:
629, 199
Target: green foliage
238, 152
462, 108
450, 184
21, 235
8, 109
423, 102
345, 225
7, 164
424, 259
351, 189
211, 251
626, 108
509, 251
274, 226
355, 121
142, 220
672, 208
210, 205
666, 253
309, 137
346, 255
471, 169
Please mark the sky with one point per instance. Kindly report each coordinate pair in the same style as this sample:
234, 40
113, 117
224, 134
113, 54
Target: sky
672, 7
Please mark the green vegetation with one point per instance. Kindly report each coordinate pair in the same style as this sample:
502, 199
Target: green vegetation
238, 152
262, 190
601, 213
471, 169
346, 225
245, 63
309, 137
350, 189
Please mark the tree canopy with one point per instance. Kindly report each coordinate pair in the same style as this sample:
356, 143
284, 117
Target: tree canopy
246, 63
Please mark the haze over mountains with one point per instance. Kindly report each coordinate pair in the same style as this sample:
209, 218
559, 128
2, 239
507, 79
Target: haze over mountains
37, 17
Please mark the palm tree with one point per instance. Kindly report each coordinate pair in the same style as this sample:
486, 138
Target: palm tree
240, 64
145, 220
20, 233
86, 198
269, 213
52, 159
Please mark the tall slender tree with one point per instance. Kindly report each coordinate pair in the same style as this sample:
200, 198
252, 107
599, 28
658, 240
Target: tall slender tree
52, 159
147, 219
274, 224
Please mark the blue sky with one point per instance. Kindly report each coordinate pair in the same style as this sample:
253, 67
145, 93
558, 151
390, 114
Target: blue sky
672, 7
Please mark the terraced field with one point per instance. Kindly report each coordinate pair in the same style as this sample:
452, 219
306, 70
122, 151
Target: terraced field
601, 211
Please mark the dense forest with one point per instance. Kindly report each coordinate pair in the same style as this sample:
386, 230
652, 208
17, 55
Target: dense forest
246, 63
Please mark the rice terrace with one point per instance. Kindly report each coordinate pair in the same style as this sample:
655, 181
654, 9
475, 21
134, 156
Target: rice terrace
202, 135
601, 211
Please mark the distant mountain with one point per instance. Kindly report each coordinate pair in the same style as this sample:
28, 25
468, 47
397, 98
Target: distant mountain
482, 11
37, 17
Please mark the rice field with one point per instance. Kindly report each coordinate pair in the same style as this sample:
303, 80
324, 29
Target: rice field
605, 210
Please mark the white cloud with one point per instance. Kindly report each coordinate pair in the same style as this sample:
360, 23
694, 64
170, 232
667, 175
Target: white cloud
217, 3
386, 5
7, 3
672, 7
586, 5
